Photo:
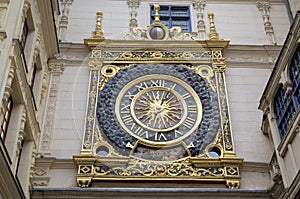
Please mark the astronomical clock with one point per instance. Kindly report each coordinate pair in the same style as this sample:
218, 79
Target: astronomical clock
157, 109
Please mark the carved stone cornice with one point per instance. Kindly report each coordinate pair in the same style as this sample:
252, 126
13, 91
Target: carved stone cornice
252, 56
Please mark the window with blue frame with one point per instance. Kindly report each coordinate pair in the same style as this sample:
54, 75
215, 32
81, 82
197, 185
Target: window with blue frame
285, 105
171, 16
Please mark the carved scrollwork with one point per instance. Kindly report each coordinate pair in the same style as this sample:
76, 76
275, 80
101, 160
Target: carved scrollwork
157, 169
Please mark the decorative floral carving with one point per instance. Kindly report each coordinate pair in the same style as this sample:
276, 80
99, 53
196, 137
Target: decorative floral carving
156, 169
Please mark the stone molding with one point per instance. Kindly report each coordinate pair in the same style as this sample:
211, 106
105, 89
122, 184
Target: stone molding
256, 55
244, 56
146, 192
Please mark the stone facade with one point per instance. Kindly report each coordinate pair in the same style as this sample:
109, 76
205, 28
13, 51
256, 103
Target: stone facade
26, 45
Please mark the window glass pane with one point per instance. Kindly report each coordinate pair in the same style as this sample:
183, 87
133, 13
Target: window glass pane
24, 35
286, 104
7, 115
179, 12
295, 77
171, 16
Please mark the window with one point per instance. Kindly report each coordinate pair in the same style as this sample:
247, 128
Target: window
295, 77
171, 16
19, 157
5, 123
285, 105
24, 35
33, 76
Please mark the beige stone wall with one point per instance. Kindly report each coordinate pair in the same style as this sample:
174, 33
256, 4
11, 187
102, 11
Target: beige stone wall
245, 86
241, 22
70, 110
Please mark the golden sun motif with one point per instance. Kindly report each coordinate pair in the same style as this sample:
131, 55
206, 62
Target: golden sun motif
158, 109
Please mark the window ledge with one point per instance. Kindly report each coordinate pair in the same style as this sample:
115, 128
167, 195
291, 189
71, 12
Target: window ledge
290, 134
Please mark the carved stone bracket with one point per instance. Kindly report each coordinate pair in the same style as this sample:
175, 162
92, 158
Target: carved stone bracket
264, 7
56, 69
277, 188
41, 175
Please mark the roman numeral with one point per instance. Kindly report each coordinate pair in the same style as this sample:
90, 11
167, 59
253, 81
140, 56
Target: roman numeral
173, 87
188, 123
192, 109
141, 86
177, 133
140, 132
127, 119
160, 136
129, 95
160, 82
125, 108
187, 95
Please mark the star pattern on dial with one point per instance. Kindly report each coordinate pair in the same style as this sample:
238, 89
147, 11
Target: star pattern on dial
158, 108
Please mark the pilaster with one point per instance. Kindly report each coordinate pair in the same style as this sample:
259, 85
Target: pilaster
56, 69
133, 5
264, 7
199, 7
3, 18
63, 22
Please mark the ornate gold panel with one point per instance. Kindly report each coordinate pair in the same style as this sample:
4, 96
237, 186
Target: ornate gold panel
157, 113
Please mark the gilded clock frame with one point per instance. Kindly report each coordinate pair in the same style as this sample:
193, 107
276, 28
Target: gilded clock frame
204, 57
